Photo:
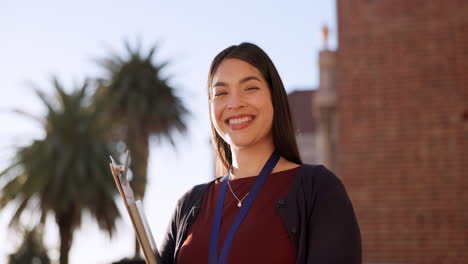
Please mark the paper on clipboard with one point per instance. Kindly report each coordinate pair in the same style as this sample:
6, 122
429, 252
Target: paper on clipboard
135, 211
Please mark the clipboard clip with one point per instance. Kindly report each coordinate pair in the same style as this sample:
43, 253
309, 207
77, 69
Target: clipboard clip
122, 169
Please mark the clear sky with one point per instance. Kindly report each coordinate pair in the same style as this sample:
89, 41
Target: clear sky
40, 39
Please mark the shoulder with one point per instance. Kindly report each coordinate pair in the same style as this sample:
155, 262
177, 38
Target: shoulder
321, 189
318, 173
194, 195
318, 179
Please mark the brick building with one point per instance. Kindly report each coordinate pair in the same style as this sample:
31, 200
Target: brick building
402, 108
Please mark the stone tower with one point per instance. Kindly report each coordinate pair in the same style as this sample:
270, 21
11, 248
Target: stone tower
324, 108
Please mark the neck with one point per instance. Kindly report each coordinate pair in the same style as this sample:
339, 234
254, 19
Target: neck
248, 162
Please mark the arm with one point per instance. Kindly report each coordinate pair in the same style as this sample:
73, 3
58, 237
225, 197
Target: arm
333, 233
169, 240
185, 204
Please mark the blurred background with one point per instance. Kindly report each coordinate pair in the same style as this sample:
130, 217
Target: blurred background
378, 91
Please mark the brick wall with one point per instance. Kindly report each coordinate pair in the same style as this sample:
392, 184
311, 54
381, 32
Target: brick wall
402, 85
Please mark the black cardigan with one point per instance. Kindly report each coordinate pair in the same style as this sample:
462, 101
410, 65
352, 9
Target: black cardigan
316, 211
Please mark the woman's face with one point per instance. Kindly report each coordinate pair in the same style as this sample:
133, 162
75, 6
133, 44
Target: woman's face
240, 106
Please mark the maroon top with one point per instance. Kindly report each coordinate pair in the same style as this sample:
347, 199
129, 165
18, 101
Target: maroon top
262, 236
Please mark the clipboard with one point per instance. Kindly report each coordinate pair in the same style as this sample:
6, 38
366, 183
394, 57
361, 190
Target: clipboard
135, 211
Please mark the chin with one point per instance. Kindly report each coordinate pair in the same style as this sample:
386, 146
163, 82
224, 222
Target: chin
240, 143
245, 142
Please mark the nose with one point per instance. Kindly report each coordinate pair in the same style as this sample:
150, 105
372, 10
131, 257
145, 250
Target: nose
235, 101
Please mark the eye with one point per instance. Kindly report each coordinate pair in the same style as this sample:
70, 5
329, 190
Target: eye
252, 88
219, 94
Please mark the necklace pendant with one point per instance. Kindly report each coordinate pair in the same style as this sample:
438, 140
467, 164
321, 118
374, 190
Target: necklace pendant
239, 204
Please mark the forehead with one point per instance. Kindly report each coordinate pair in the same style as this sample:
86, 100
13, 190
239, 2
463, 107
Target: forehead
233, 70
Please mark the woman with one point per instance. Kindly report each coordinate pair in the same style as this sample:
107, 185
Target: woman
269, 208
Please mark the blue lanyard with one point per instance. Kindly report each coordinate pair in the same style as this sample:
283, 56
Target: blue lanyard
215, 228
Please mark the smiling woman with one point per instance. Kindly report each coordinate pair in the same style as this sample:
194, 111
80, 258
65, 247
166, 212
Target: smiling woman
240, 106
254, 71
269, 207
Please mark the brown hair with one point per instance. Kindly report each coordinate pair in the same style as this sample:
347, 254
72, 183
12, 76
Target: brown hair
284, 139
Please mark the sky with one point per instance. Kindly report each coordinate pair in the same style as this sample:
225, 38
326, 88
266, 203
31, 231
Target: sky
63, 38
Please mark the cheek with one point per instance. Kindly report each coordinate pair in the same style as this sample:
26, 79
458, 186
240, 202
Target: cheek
265, 105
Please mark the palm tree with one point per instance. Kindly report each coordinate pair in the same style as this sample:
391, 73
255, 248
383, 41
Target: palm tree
66, 172
32, 250
140, 103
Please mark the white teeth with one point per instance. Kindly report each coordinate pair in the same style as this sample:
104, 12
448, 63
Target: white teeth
240, 120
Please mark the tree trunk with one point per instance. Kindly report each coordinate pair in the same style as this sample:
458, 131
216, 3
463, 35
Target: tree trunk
138, 144
66, 236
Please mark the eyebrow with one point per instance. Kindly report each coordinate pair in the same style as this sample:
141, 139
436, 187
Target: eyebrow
243, 80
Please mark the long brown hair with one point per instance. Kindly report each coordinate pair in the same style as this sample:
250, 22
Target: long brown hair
284, 139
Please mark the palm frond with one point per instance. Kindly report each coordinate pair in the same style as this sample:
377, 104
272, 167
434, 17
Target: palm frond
45, 100
29, 115
18, 212
149, 57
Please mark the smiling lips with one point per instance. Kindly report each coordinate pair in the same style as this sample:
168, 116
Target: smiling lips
239, 121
